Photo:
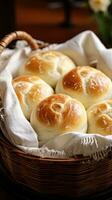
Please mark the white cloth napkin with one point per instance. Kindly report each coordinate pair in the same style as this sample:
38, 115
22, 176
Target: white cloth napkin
84, 49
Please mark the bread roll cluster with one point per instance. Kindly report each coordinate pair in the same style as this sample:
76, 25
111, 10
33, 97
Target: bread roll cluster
81, 103
48, 65
58, 114
100, 118
86, 84
30, 90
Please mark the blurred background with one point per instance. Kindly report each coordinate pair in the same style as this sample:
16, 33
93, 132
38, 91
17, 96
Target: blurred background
47, 20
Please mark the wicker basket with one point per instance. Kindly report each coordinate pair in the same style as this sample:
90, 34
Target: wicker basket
67, 177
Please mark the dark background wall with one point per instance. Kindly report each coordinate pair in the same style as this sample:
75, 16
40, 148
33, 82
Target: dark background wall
48, 20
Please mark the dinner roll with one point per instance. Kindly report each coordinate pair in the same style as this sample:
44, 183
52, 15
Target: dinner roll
30, 90
100, 118
49, 65
86, 84
58, 114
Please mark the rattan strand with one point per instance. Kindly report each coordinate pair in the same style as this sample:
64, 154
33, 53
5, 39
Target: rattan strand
18, 35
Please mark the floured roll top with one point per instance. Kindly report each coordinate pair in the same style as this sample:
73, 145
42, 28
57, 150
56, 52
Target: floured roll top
30, 90
58, 114
100, 118
49, 65
86, 84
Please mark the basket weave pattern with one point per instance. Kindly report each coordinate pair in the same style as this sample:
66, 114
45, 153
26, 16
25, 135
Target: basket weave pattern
72, 177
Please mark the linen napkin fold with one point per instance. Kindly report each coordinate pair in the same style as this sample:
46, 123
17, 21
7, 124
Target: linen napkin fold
84, 49
92, 145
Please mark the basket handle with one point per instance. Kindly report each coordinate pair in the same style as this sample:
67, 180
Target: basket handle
18, 35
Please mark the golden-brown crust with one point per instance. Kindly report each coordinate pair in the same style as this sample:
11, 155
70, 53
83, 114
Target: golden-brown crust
30, 90
58, 114
33, 65
41, 62
86, 84
25, 78
71, 115
101, 115
26, 84
60, 110
105, 122
49, 65
49, 110
34, 93
36, 65
97, 85
94, 81
73, 81
102, 107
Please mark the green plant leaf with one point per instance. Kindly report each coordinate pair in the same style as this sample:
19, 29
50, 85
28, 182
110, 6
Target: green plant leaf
104, 22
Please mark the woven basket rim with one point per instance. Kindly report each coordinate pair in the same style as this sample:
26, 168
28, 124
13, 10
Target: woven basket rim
21, 153
66, 177
34, 44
